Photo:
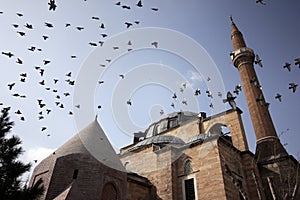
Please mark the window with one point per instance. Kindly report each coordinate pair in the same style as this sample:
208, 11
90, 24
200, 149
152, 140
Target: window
188, 167
173, 122
109, 192
75, 173
189, 189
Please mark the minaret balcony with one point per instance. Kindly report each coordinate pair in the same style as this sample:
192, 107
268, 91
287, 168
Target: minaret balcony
241, 56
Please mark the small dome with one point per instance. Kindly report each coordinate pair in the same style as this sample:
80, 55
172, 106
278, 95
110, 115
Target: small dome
170, 121
160, 139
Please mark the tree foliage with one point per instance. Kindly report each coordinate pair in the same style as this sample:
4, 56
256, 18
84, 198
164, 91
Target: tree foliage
11, 169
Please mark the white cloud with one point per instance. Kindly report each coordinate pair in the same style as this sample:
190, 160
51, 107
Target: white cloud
37, 153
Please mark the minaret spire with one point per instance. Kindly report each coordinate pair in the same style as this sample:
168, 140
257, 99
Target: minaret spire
242, 57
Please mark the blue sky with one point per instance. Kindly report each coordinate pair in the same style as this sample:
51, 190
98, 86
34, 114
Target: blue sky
271, 30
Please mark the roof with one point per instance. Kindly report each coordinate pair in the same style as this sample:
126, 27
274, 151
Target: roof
92, 141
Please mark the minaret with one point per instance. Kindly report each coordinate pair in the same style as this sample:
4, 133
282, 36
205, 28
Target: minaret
268, 144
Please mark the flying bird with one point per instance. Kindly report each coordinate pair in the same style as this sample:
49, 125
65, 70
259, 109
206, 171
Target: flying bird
172, 105
197, 92
21, 33
128, 24
29, 26
184, 101
258, 60
9, 54
154, 9
155, 44
261, 2
95, 18
46, 62
278, 96
139, 3
129, 102
209, 94
293, 86
297, 61
126, 7
230, 99
19, 61
43, 128
49, 25
45, 37
11, 85
102, 26
288, 66
174, 96
161, 112
79, 28
52, 5
20, 14
122, 76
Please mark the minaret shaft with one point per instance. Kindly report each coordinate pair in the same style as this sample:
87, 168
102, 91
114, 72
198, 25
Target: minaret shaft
266, 136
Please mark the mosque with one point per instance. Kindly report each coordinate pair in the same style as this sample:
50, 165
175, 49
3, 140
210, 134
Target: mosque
184, 156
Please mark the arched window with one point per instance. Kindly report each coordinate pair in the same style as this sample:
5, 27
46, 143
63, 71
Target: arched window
109, 192
188, 167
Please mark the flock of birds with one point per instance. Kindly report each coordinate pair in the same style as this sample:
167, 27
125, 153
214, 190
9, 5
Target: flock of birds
287, 65
45, 109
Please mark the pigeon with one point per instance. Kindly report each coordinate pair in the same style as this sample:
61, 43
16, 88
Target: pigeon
139, 3
9, 54
29, 26
126, 7
154, 9
49, 25
32, 48
258, 60
211, 106
19, 61
92, 44
230, 99
184, 101
11, 85
122, 76
155, 44
293, 86
128, 24
297, 61
260, 99
209, 94
174, 96
45, 37
197, 92
278, 96
288, 66
21, 33
19, 14
15, 25
43, 128
172, 105
79, 28
261, 2
52, 5
95, 18
46, 62
102, 26
129, 102
161, 112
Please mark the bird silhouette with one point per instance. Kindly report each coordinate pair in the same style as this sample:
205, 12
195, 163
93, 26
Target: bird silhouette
95, 18
278, 96
29, 26
288, 66
161, 112
122, 76
11, 85
93, 44
52, 5
155, 44
172, 105
19, 14
184, 101
128, 24
258, 60
197, 92
293, 86
261, 2
260, 99
19, 61
139, 3
297, 61
49, 25
231, 100
154, 9
46, 62
126, 7
9, 54
21, 33
174, 96
32, 48
45, 37
43, 128
211, 106
209, 94
129, 102
79, 28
